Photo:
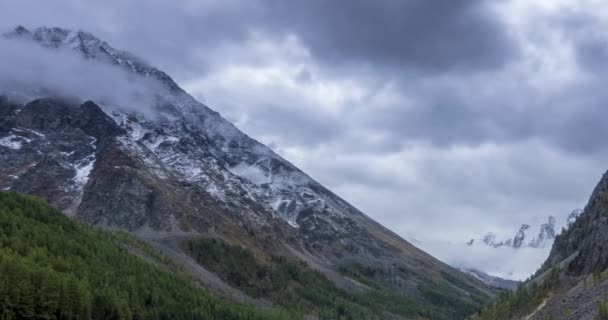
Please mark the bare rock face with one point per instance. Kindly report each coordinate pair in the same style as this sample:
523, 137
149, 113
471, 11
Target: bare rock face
519, 238
94, 122
587, 237
50, 114
7, 114
47, 151
188, 171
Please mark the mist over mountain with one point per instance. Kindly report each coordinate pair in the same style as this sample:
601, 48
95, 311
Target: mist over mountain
538, 237
176, 174
30, 70
515, 255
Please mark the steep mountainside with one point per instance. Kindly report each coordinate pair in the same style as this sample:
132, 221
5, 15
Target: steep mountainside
573, 282
180, 171
587, 237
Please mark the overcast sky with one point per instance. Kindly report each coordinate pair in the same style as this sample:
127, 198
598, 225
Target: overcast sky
441, 119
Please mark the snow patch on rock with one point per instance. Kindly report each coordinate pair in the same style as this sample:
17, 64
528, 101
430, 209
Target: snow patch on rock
252, 173
83, 170
18, 137
12, 142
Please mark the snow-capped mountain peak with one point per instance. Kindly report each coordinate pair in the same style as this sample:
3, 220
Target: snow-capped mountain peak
544, 237
190, 142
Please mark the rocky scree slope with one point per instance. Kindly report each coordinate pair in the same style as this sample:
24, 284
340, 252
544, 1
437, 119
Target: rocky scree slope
186, 172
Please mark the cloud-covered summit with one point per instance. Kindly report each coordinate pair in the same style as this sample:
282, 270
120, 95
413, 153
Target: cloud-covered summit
58, 61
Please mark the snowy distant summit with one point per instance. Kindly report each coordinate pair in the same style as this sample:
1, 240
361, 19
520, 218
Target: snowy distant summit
546, 235
524, 238
512, 256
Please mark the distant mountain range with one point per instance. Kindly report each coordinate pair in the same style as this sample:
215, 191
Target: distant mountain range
540, 237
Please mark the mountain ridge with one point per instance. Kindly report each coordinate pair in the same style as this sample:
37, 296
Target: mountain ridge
189, 173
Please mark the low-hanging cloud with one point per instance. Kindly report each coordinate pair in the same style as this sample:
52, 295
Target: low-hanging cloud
505, 262
32, 71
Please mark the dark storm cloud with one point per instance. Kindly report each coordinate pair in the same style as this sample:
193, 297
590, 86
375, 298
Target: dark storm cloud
585, 32
389, 39
577, 111
411, 34
170, 34
573, 120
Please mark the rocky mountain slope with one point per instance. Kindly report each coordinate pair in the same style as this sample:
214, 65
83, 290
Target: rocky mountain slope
178, 170
573, 282
492, 281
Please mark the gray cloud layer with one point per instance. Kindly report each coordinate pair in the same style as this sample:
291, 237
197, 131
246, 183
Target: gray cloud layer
442, 119
414, 34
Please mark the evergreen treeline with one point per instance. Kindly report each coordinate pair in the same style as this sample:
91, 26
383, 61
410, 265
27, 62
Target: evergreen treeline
291, 285
54, 268
295, 286
434, 299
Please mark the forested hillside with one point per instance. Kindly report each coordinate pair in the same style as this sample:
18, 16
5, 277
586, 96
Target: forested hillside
54, 268
295, 286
